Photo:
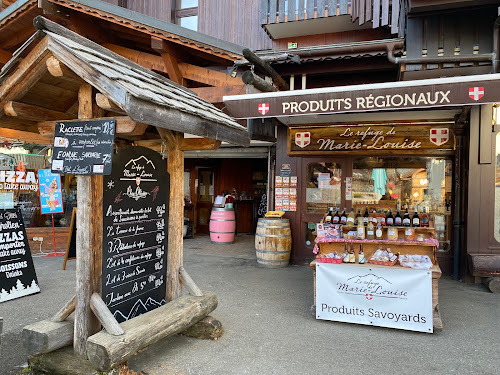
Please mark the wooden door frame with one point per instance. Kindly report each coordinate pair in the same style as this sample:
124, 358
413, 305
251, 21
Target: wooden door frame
197, 169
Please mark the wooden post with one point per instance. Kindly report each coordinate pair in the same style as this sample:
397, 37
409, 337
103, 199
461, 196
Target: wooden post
88, 242
65, 311
175, 166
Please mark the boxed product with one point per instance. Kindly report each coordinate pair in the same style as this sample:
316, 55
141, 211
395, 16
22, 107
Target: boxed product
333, 230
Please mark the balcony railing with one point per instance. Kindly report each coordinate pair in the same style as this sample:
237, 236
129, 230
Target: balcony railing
379, 12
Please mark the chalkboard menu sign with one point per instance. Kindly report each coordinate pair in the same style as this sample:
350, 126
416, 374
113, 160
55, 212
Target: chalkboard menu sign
17, 273
135, 219
83, 147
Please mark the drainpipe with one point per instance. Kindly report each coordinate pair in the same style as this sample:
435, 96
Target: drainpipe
440, 59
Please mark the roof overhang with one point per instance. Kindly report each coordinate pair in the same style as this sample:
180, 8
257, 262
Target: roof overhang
388, 96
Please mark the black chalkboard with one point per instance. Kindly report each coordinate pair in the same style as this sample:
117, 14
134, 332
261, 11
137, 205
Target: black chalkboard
135, 220
83, 147
17, 272
71, 243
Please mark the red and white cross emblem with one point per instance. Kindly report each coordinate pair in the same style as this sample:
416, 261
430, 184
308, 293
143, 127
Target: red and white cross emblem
303, 139
264, 108
439, 136
476, 93
369, 296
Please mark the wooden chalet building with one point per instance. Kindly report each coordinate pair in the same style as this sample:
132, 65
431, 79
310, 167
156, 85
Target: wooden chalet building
315, 47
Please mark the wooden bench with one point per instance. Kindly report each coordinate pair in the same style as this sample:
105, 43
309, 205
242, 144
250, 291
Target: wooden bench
486, 267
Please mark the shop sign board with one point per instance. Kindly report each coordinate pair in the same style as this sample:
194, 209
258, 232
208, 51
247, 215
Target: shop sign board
442, 92
135, 220
83, 147
371, 138
17, 272
18, 181
378, 296
51, 201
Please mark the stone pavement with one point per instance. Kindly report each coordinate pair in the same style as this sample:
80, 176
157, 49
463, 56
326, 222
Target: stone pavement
268, 327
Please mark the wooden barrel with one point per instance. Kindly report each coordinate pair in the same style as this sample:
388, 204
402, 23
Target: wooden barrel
273, 242
222, 225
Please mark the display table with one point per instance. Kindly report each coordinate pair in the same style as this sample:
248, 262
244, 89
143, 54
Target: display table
427, 247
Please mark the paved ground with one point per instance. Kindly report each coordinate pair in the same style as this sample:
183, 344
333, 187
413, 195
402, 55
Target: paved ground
269, 328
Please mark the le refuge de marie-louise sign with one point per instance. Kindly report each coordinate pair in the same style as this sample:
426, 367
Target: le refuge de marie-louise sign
371, 138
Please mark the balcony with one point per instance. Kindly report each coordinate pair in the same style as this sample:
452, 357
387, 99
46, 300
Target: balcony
279, 17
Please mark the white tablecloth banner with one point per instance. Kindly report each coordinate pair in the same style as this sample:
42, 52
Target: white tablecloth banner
379, 296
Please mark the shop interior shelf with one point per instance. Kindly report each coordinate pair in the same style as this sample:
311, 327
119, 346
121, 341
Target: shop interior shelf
381, 242
417, 229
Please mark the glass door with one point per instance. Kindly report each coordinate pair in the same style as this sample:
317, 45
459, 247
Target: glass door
205, 198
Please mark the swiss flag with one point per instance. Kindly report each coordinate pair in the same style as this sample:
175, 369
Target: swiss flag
264, 108
476, 92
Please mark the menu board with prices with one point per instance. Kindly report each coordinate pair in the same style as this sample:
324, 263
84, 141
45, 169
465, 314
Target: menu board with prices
83, 147
135, 219
17, 272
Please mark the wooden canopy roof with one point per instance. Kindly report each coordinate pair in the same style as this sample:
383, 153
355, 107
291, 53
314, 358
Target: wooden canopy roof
145, 97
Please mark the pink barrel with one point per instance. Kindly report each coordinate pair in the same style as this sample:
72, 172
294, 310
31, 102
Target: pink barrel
222, 225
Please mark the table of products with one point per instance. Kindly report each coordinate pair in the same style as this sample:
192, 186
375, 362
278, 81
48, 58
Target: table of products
408, 248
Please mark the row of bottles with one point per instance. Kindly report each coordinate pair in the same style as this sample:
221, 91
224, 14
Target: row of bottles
350, 257
378, 218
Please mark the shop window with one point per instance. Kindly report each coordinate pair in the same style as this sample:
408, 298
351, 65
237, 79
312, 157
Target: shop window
497, 190
396, 183
323, 187
186, 14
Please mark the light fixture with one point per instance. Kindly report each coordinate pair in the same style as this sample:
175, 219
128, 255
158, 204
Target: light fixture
496, 114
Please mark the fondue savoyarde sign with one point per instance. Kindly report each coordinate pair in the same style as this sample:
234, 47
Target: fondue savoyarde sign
371, 138
386, 297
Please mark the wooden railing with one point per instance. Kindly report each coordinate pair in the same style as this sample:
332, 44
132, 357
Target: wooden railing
379, 12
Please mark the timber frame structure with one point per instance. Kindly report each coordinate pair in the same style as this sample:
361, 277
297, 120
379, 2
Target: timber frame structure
59, 75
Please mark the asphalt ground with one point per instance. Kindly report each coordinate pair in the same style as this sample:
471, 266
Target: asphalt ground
269, 329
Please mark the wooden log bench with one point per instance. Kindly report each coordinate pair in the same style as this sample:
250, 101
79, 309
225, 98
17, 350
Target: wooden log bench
486, 267
106, 351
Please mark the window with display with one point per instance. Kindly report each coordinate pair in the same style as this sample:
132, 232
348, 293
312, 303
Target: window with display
416, 184
323, 187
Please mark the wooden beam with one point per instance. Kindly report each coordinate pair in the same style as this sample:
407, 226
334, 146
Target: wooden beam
250, 78
185, 144
58, 69
34, 113
105, 316
106, 351
170, 59
215, 94
88, 242
188, 282
175, 167
265, 68
4, 56
188, 71
124, 126
208, 76
15, 123
18, 38
107, 104
24, 136
65, 311
46, 336
29, 71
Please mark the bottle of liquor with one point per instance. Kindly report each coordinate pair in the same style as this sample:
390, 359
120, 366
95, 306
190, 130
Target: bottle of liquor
389, 220
424, 219
336, 218
345, 257
358, 217
415, 220
398, 220
329, 214
406, 218
382, 219
370, 231
351, 217
352, 256
361, 255
379, 232
366, 217
361, 230
343, 217
374, 218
